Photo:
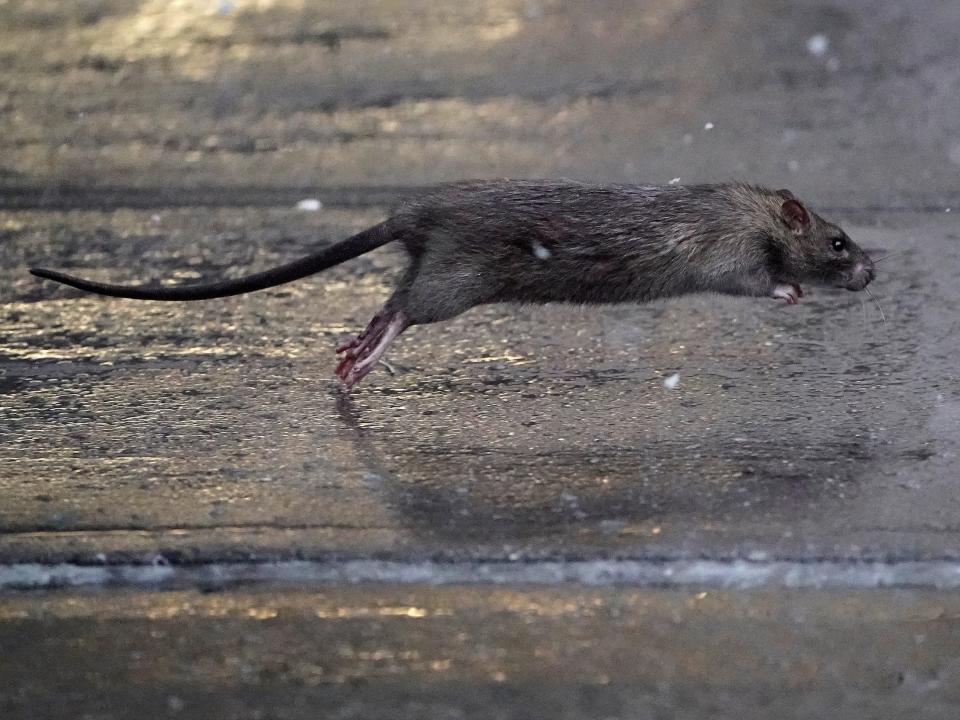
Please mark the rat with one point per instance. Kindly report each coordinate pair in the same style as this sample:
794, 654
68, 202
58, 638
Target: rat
539, 241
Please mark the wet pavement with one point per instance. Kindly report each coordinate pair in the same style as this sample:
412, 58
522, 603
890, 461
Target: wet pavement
491, 653
158, 140
815, 431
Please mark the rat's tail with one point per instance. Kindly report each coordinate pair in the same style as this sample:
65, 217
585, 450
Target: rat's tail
362, 242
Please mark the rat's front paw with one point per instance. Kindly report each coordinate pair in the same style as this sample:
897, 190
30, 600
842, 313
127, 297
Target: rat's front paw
790, 293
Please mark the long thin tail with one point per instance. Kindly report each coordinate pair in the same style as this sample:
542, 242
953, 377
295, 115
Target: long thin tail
362, 242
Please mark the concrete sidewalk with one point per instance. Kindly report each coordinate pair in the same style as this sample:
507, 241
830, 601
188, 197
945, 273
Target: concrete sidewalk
157, 458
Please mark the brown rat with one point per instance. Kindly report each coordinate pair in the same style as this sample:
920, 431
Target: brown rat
558, 241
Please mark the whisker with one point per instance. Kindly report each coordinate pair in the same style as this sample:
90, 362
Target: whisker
888, 255
879, 306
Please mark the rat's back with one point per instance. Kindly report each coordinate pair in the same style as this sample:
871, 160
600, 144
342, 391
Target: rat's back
542, 241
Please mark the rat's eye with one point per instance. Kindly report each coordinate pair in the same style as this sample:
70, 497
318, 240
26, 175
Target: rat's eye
839, 244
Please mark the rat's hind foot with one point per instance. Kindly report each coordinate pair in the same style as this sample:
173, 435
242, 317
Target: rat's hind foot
791, 293
362, 354
375, 326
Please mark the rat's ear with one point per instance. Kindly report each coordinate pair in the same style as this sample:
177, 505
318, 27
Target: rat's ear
795, 216
786, 194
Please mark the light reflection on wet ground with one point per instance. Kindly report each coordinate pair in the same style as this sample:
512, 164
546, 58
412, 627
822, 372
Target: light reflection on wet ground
158, 94
482, 652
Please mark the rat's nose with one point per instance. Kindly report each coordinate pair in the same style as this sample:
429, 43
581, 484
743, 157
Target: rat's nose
861, 276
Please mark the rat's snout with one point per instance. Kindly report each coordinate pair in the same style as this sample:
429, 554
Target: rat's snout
860, 275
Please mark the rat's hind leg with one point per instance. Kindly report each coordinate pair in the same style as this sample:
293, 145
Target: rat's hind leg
423, 296
364, 352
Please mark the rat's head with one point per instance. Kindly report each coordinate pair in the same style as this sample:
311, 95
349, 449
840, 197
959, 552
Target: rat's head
811, 248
